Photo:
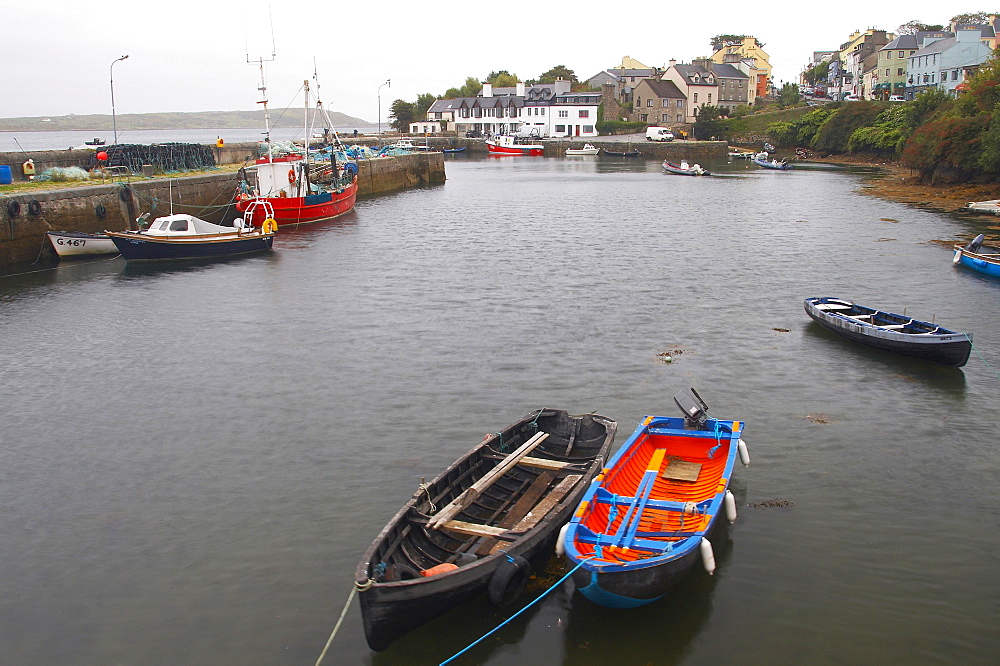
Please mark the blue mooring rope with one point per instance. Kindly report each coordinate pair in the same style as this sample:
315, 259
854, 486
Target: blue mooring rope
535, 601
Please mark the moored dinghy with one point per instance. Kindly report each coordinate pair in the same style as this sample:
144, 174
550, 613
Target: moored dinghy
979, 256
645, 520
889, 331
475, 526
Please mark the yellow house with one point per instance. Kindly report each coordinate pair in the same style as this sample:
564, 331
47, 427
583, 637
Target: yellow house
756, 62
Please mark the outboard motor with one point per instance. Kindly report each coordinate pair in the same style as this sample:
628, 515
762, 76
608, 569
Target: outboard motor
694, 409
976, 243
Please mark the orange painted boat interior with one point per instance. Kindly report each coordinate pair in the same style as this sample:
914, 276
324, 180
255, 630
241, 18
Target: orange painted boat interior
655, 452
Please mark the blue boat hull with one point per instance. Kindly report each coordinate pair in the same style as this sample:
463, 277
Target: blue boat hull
141, 248
985, 264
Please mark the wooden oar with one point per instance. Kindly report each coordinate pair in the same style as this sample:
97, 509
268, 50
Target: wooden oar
472, 492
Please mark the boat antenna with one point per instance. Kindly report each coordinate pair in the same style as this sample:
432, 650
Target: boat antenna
321, 108
263, 82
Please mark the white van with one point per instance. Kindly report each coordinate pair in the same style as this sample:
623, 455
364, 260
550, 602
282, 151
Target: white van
659, 134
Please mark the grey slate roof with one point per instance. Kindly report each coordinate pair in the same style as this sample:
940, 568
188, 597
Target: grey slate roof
665, 89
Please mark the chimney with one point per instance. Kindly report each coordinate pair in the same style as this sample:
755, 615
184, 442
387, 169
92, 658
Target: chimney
561, 86
519, 89
487, 90
671, 63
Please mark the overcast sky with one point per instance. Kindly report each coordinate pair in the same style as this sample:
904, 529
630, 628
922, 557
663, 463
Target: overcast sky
188, 55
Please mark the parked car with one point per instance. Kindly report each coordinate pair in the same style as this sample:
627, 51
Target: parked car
850, 97
474, 134
896, 98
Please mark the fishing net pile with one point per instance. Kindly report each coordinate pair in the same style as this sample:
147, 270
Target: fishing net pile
166, 156
64, 174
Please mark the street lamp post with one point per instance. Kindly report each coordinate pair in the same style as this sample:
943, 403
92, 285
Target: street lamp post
387, 83
114, 122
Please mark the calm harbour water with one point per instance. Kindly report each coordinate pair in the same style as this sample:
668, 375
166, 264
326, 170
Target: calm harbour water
193, 457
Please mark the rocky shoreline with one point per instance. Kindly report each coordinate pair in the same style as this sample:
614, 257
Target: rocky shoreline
898, 183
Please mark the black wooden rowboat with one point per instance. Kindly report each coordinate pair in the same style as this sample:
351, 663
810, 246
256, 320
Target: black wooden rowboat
475, 527
891, 332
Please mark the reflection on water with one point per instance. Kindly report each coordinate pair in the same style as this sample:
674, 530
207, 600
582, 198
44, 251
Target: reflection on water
194, 455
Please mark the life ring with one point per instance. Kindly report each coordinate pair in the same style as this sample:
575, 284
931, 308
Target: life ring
291, 175
125, 194
34, 208
270, 226
508, 580
13, 208
100, 211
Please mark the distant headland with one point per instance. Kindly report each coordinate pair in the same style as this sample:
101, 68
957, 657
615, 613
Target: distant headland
290, 117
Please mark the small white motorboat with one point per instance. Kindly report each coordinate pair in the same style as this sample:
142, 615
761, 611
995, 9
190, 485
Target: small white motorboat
79, 244
587, 149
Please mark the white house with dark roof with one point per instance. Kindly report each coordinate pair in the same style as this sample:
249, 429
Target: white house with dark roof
550, 108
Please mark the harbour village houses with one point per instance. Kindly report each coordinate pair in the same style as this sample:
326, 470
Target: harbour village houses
547, 109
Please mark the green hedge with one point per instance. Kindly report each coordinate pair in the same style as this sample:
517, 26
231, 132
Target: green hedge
609, 127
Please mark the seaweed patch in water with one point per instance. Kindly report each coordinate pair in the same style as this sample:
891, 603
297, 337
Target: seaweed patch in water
781, 330
774, 503
820, 418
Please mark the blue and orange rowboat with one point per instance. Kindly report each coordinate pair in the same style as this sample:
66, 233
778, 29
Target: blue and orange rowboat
644, 522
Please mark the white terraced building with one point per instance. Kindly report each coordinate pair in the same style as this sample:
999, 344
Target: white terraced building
549, 108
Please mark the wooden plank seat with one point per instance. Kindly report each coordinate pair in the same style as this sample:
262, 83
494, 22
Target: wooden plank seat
827, 307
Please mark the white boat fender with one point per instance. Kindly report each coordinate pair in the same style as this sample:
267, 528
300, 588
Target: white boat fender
741, 446
957, 258
560, 540
730, 501
707, 556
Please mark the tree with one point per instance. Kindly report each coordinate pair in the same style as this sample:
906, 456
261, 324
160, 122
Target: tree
471, 88
423, 103
402, 113
817, 73
708, 123
558, 72
788, 96
915, 26
973, 18
719, 41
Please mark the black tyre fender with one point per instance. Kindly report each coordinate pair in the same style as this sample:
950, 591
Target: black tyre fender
508, 580
125, 194
34, 208
396, 572
100, 211
13, 208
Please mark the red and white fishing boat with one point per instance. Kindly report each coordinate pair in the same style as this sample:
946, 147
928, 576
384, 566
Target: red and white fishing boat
296, 190
511, 145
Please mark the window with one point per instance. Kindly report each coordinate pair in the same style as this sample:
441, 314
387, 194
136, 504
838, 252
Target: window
542, 110
709, 98
563, 113
643, 118
741, 84
889, 55
887, 70
584, 113
665, 117
680, 117
560, 128
179, 225
901, 54
696, 98
680, 104
649, 102
954, 75
664, 103
899, 71
588, 129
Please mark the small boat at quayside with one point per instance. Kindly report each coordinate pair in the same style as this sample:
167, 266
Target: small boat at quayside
297, 190
475, 526
992, 207
587, 149
645, 520
892, 332
979, 257
69, 244
628, 152
188, 237
453, 150
510, 145
685, 169
761, 160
